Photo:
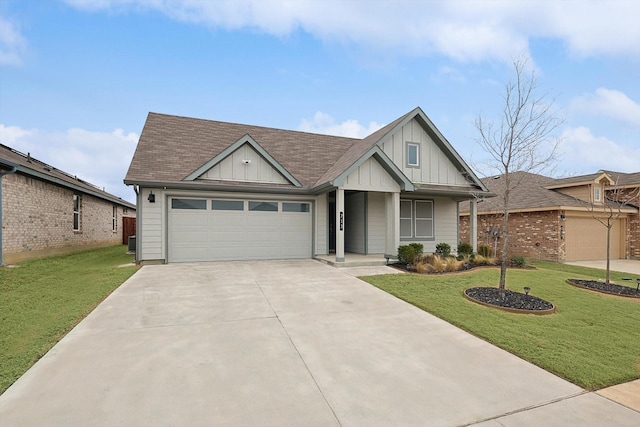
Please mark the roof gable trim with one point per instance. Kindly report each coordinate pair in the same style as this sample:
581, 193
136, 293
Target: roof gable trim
246, 139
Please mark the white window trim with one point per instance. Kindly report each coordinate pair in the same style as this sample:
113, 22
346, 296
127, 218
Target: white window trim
417, 145
597, 194
77, 212
410, 218
414, 218
114, 218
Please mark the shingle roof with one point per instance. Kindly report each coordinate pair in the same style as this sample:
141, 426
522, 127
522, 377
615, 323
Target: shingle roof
31, 166
622, 179
531, 193
171, 148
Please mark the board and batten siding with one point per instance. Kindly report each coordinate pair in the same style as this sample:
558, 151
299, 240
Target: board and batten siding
370, 176
434, 167
235, 168
376, 221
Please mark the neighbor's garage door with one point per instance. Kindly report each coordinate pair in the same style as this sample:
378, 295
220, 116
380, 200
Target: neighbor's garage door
218, 230
587, 239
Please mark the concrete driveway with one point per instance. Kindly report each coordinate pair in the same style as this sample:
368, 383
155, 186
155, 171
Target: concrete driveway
630, 266
283, 343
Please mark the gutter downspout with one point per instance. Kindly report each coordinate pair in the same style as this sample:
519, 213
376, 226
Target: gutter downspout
136, 189
13, 170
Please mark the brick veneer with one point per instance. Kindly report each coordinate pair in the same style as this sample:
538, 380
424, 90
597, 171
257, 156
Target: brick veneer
535, 235
632, 198
38, 219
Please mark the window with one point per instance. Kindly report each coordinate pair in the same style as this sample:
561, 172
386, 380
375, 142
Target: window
406, 218
188, 204
227, 205
416, 219
413, 154
114, 218
596, 194
76, 212
295, 207
263, 206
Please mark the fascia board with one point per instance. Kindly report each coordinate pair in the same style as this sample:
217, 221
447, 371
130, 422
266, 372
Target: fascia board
246, 139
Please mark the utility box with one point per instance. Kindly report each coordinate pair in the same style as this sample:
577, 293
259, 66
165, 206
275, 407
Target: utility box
132, 244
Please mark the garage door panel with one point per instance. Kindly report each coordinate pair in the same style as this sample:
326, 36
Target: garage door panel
586, 239
218, 235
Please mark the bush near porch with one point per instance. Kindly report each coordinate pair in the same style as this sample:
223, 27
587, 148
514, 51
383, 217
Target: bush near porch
593, 340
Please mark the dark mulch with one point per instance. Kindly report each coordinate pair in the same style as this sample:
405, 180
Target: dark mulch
608, 288
512, 300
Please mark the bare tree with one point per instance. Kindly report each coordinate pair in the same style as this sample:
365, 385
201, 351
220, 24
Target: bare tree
608, 211
523, 139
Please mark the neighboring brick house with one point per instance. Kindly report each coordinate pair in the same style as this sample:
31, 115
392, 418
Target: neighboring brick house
46, 211
553, 219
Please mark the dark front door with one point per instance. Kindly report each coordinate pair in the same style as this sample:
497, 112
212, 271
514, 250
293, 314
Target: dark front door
332, 221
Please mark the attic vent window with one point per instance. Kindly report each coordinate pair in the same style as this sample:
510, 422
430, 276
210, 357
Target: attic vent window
596, 194
413, 154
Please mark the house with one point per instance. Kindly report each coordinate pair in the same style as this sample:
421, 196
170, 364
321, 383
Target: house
45, 211
557, 219
210, 191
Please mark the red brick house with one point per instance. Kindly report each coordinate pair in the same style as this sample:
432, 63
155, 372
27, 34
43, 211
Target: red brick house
553, 219
45, 211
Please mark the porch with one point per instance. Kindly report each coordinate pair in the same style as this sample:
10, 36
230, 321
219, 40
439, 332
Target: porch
355, 260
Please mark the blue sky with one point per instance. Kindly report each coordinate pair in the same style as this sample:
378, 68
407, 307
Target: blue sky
78, 77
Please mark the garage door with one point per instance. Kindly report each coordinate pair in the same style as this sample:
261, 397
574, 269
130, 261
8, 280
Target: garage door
587, 239
218, 229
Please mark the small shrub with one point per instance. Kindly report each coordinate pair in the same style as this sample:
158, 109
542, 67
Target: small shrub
443, 249
518, 261
406, 254
452, 264
485, 251
438, 265
418, 249
464, 248
483, 260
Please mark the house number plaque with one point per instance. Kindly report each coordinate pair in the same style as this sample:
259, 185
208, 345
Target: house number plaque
341, 221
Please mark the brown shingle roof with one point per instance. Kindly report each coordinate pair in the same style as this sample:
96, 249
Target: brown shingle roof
31, 166
171, 147
531, 193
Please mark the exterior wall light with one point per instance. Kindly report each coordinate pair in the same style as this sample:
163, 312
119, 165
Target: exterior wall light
151, 198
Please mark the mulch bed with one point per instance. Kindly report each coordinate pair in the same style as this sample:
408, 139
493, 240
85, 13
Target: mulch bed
515, 302
610, 288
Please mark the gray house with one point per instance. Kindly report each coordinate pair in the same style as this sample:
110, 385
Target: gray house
211, 191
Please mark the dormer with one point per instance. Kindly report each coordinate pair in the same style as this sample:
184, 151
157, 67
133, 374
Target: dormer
589, 188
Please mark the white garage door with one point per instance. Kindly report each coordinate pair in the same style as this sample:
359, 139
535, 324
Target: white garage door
220, 230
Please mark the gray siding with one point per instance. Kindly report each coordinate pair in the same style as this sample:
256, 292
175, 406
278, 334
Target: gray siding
445, 224
376, 223
370, 176
435, 167
234, 168
354, 223
321, 218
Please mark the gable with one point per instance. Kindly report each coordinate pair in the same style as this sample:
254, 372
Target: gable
246, 165
435, 165
244, 161
370, 176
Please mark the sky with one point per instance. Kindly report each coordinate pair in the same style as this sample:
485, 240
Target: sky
78, 77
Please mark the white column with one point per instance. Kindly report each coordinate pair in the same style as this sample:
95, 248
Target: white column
340, 225
392, 208
473, 224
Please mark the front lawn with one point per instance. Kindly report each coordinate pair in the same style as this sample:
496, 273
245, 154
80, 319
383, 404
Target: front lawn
41, 300
593, 340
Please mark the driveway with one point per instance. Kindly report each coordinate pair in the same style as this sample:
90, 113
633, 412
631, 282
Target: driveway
283, 343
623, 265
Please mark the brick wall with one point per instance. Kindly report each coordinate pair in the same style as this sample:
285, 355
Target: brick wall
632, 196
38, 219
535, 235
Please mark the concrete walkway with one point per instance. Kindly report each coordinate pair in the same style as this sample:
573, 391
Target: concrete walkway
623, 265
284, 343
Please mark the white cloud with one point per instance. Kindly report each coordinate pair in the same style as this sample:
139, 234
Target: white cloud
12, 43
325, 124
459, 29
101, 158
581, 150
610, 103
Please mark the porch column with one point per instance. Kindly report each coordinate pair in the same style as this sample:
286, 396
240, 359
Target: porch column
473, 224
340, 225
392, 209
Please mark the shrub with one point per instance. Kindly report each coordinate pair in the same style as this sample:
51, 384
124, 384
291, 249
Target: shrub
406, 254
418, 248
464, 248
518, 261
452, 264
443, 249
485, 251
483, 260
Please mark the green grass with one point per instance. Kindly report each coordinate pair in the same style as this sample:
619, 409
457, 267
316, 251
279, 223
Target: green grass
41, 300
593, 340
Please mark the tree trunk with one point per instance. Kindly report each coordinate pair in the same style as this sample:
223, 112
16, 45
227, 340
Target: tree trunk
505, 248
609, 226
